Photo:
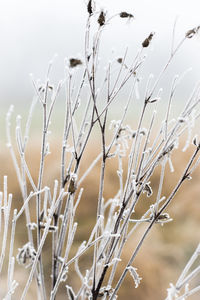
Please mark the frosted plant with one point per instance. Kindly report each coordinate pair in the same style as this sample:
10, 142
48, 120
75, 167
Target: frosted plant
55, 221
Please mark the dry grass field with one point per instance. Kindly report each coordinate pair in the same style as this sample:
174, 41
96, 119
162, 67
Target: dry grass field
165, 251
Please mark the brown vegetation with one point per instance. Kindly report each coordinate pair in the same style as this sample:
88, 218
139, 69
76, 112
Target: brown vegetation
165, 251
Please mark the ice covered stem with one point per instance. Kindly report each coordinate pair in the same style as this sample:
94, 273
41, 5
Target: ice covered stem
184, 279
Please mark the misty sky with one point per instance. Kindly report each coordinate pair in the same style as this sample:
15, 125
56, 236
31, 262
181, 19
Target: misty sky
32, 31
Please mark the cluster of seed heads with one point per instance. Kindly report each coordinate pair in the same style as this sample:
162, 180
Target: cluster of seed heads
101, 19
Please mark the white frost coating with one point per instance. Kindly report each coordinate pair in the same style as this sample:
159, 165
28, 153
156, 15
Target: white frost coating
171, 292
135, 276
171, 165
137, 93
113, 261
189, 130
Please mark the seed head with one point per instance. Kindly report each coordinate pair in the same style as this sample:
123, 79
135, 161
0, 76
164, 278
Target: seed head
72, 185
101, 19
89, 7
73, 62
147, 41
164, 218
124, 14
119, 60
190, 33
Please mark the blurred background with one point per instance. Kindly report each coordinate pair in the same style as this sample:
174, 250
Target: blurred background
31, 33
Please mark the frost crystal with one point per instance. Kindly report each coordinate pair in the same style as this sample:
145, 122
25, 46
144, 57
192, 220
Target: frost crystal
135, 275
26, 255
172, 292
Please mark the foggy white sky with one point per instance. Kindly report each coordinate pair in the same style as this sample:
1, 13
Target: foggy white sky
32, 31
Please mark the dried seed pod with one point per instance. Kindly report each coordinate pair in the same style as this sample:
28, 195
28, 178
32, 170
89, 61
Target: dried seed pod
101, 19
73, 62
190, 33
147, 41
163, 218
124, 14
72, 185
119, 60
147, 189
89, 7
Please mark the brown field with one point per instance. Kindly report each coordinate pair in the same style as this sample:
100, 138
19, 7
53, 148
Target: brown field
164, 252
